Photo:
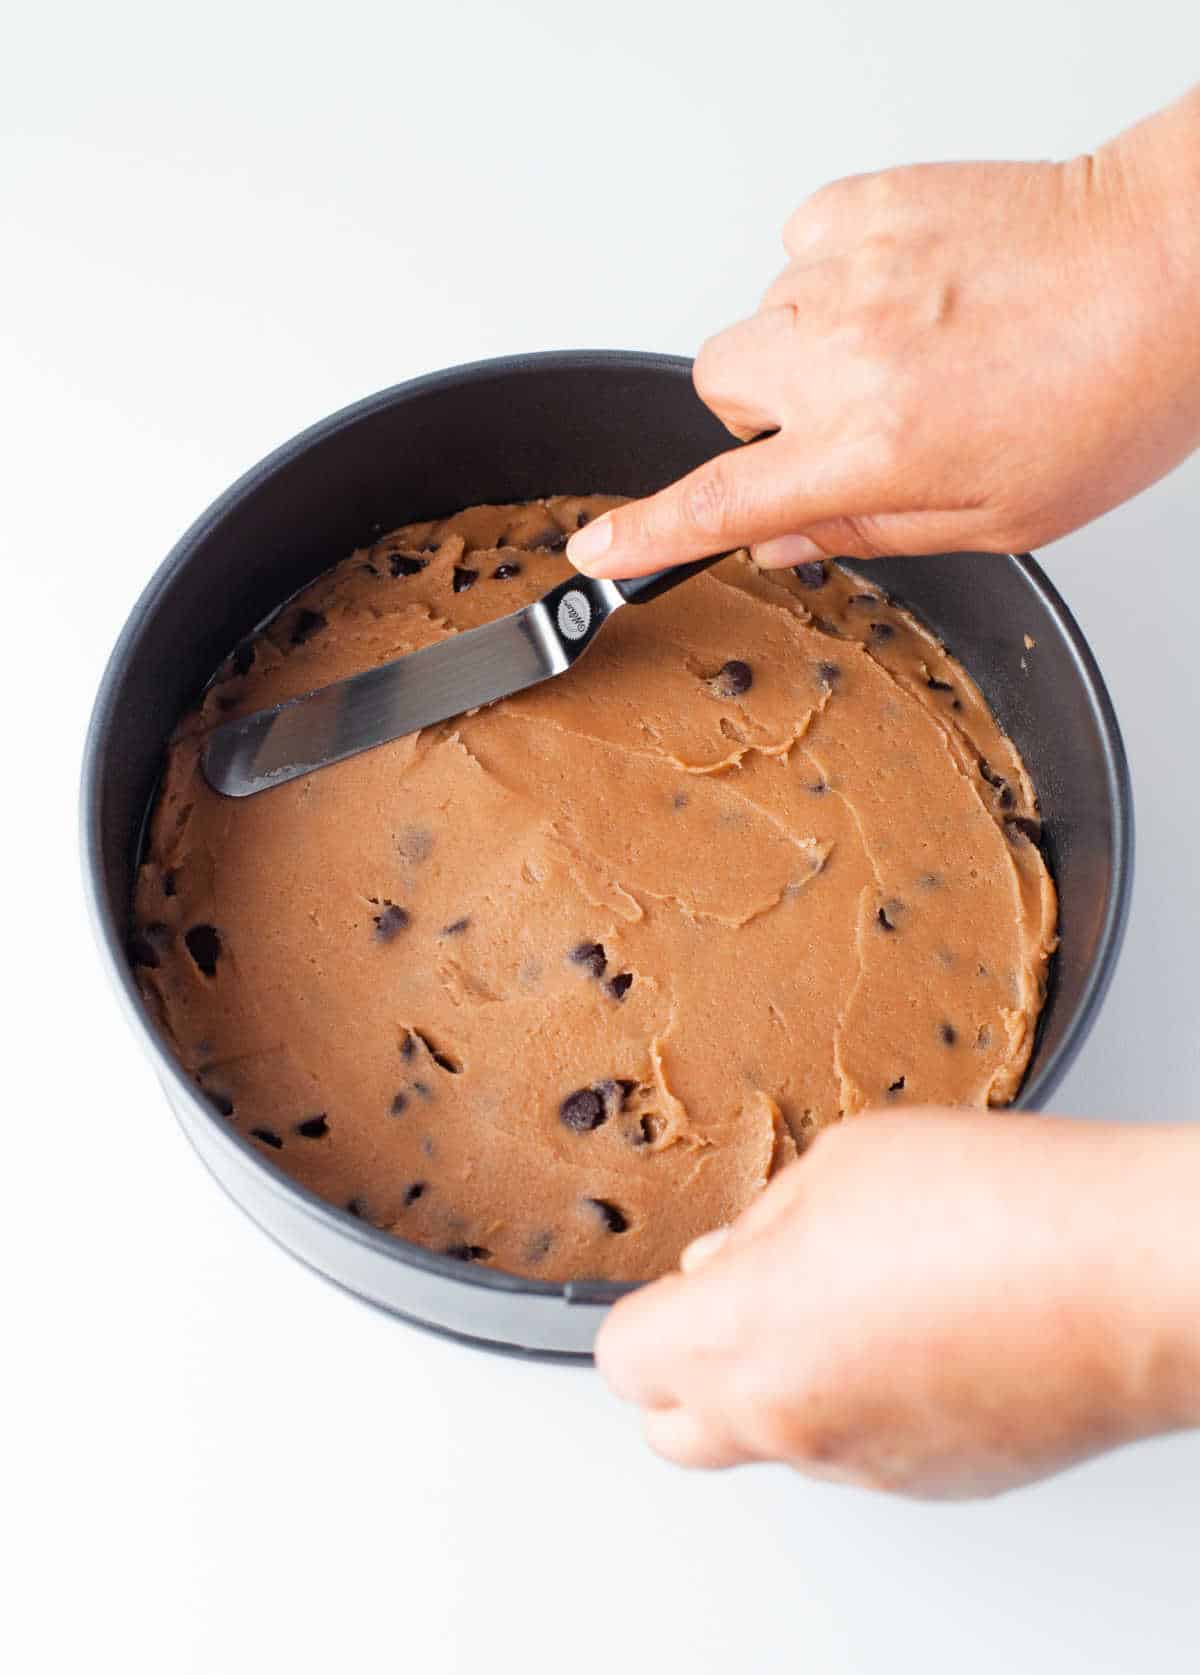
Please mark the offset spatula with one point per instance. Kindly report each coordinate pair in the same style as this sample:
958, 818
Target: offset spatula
426, 686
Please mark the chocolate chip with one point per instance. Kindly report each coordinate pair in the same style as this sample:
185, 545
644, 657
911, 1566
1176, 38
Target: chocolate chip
538, 1246
399, 1104
818, 787
221, 1101
884, 922
243, 657
551, 540
615, 1092
463, 578
147, 945
408, 1045
897, 1086
679, 800
591, 955
413, 1192
1022, 824
456, 927
168, 883
467, 1253
582, 517
390, 922
313, 1128
268, 1137
948, 1034
882, 631
305, 624
1005, 797
406, 564
424, 1089
356, 1207
614, 1219
936, 685
829, 674
620, 985
732, 679
505, 572
441, 1059
204, 945
811, 574
582, 1110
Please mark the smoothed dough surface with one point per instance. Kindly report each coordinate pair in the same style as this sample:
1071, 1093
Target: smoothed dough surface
557, 986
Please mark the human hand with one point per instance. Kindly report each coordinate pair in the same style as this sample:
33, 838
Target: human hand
939, 1303
975, 356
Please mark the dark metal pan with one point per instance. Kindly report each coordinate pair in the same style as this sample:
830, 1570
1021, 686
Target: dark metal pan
510, 430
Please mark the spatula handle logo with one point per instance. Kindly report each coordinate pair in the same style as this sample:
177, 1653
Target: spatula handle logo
574, 615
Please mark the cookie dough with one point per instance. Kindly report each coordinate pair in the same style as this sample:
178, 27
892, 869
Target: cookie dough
560, 984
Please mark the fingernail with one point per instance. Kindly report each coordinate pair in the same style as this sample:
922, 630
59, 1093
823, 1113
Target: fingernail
588, 545
700, 1250
784, 551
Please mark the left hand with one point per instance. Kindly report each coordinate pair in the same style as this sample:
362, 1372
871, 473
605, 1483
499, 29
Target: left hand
940, 1303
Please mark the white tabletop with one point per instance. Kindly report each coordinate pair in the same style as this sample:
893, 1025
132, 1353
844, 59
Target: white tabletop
230, 220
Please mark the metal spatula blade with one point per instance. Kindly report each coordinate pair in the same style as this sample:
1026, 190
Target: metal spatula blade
431, 685
469, 669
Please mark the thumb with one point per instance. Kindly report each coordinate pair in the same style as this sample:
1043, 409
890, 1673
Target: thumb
747, 495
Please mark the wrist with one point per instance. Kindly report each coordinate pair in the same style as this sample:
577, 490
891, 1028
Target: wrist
1150, 176
1127, 213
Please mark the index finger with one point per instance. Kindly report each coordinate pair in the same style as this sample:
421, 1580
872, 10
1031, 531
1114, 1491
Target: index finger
749, 495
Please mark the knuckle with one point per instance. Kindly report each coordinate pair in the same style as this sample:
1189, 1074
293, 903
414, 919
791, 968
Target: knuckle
880, 186
708, 502
855, 202
861, 538
818, 216
707, 368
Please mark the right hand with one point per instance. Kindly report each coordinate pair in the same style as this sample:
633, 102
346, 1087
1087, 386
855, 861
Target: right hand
972, 356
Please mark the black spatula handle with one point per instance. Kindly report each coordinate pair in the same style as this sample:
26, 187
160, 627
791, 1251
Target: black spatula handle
639, 590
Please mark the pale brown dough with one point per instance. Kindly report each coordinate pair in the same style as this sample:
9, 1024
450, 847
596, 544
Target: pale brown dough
721, 919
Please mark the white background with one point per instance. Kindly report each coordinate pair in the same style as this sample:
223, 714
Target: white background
219, 223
